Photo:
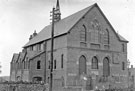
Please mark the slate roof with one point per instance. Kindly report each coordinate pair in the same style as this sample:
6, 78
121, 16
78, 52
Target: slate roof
62, 27
36, 55
21, 56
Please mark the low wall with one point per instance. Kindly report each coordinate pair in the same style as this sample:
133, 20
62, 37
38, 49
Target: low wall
23, 87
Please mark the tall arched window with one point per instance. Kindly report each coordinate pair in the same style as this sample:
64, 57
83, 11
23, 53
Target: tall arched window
94, 63
106, 67
62, 59
39, 64
82, 65
95, 34
106, 36
83, 33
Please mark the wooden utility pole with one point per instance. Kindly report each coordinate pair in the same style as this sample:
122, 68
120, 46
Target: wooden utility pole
52, 44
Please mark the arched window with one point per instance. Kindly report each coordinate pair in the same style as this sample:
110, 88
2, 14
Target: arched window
83, 33
94, 63
39, 64
106, 36
95, 34
106, 67
82, 65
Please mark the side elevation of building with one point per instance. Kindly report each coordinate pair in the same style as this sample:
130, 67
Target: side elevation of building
88, 54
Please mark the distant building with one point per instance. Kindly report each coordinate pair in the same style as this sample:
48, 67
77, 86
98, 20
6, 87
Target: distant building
88, 53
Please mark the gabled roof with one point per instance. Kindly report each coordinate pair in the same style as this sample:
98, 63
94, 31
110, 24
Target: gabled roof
64, 26
22, 56
36, 55
61, 27
29, 55
15, 57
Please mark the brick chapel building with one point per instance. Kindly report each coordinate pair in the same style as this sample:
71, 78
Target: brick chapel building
86, 47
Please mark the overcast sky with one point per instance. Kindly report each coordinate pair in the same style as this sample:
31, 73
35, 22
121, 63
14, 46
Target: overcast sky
19, 19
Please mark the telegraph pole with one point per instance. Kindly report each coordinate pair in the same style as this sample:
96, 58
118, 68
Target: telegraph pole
52, 44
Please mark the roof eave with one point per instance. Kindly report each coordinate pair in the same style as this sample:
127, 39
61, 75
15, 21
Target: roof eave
25, 46
124, 41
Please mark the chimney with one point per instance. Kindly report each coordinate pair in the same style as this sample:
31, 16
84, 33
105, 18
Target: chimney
34, 34
30, 37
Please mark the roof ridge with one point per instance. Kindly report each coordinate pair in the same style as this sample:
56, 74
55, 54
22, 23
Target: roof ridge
78, 11
61, 27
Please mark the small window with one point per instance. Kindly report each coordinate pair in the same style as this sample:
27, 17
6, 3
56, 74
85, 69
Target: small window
62, 61
28, 64
123, 65
38, 64
31, 48
55, 64
123, 48
48, 79
42, 46
49, 65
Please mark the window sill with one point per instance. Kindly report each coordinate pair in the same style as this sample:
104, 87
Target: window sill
38, 69
83, 44
106, 46
95, 45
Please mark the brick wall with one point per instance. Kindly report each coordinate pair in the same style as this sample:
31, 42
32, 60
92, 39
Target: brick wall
114, 52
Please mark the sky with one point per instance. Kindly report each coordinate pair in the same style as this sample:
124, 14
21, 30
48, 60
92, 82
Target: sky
19, 19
